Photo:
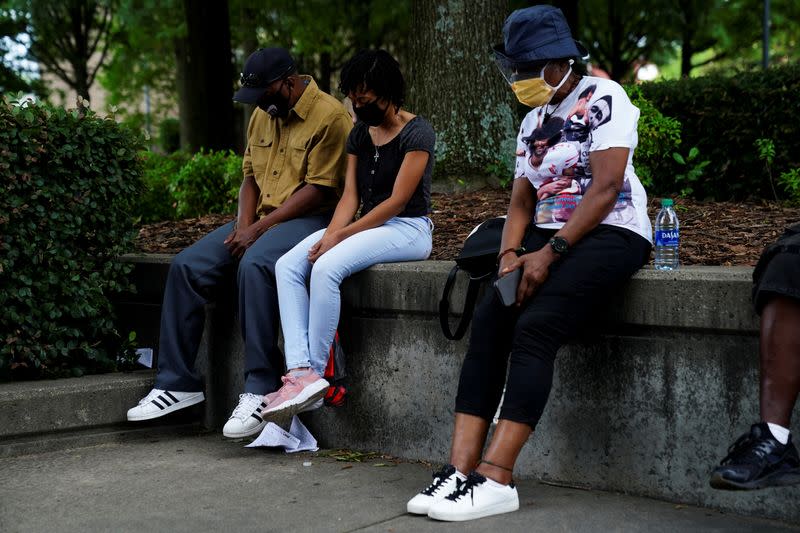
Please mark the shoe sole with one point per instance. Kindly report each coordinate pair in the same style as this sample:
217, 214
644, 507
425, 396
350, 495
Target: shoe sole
312, 407
506, 507
776, 479
183, 404
306, 398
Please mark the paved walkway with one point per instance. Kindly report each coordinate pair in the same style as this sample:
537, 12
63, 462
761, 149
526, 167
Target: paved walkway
205, 483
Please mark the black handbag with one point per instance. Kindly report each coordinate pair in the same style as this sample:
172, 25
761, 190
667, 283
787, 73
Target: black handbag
478, 258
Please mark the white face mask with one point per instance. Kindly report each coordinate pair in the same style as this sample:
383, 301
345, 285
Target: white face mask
536, 92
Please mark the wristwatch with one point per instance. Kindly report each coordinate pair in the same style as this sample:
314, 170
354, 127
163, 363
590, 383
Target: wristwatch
559, 245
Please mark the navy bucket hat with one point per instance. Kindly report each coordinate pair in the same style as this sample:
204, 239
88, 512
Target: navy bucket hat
537, 33
263, 67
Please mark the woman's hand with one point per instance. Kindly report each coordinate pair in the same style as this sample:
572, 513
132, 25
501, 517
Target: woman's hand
328, 241
535, 270
505, 264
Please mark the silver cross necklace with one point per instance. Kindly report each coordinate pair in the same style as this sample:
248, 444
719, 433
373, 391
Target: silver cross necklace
377, 154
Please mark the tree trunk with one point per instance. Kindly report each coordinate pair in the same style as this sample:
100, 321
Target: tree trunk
81, 19
570, 10
618, 66
205, 74
688, 18
687, 51
181, 68
454, 83
249, 44
325, 72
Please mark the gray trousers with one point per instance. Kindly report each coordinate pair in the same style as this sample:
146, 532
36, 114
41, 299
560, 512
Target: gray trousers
196, 276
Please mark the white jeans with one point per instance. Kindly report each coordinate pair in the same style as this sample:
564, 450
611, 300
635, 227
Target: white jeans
310, 316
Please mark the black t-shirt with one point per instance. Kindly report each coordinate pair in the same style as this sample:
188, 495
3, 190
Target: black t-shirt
376, 176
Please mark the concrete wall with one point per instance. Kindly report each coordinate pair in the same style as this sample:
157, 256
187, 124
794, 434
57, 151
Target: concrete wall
647, 407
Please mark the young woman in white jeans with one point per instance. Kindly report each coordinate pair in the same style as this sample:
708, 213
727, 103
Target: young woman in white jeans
390, 160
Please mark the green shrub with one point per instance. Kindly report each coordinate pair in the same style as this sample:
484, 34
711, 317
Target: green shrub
788, 181
208, 183
68, 182
722, 116
692, 169
169, 135
156, 203
659, 137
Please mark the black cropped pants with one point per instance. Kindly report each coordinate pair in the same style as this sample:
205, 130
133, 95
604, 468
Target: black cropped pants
525, 340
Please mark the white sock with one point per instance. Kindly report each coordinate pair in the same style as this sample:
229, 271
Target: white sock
493, 483
460, 476
780, 433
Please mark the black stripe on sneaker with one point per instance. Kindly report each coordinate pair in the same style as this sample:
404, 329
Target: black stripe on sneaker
158, 405
171, 397
257, 417
164, 400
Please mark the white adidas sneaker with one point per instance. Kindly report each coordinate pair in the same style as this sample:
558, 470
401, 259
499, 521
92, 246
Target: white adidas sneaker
245, 419
475, 498
161, 402
444, 483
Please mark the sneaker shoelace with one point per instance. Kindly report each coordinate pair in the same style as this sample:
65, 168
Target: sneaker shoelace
247, 404
748, 450
438, 480
467, 486
290, 379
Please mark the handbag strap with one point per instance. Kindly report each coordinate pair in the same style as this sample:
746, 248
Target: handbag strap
469, 305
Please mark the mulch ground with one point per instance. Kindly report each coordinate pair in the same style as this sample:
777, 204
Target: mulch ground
712, 233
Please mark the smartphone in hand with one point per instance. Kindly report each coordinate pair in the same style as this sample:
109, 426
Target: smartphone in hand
506, 287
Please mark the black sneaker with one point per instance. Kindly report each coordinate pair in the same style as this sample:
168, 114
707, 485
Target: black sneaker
755, 461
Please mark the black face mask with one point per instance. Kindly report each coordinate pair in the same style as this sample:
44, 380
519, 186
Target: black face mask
370, 113
275, 104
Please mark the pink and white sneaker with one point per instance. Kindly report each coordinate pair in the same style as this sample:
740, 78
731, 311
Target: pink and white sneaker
301, 390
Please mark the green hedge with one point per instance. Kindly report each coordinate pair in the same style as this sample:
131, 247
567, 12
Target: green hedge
68, 182
659, 138
722, 116
156, 202
180, 186
208, 183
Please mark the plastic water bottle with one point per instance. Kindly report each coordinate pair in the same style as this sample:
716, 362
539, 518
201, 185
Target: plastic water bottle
667, 237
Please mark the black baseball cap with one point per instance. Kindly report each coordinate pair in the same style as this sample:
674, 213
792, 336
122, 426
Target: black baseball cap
263, 67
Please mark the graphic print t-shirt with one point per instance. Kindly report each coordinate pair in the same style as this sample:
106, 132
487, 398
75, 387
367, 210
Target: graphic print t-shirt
553, 154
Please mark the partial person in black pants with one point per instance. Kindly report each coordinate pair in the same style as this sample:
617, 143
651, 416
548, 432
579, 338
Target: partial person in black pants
766, 456
584, 240
293, 173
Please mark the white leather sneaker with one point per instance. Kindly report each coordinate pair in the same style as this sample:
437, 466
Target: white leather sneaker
161, 402
246, 417
475, 498
444, 482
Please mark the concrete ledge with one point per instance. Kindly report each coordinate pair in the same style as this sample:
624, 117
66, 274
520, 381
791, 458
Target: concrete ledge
695, 297
31, 407
646, 408
706, 298
42, 416
81, 438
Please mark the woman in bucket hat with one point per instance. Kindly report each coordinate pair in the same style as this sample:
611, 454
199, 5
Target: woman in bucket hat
573, 255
